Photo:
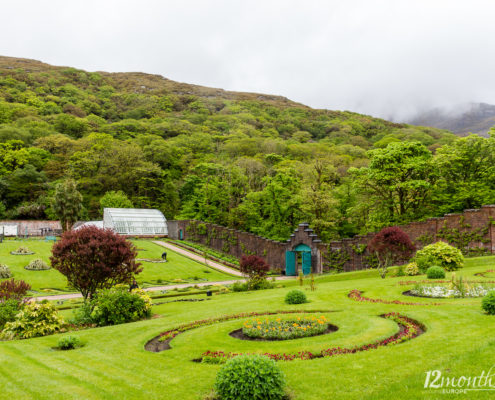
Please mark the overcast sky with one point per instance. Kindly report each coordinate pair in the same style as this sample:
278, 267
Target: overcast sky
381, 57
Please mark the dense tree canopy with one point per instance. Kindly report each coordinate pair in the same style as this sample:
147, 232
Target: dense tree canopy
257, 163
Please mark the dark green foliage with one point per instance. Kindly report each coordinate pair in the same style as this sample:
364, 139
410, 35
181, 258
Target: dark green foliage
114, 307
250, 377
69, 343
295, 297
8, 311
488, 303
435, 272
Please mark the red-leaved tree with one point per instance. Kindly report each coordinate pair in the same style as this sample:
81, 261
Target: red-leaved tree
93, 258
255, 268
391, 245
13, 289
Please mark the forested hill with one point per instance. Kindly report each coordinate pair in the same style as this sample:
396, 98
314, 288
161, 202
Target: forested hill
254, 162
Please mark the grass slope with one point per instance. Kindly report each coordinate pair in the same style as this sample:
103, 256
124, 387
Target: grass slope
177, 269
114, 365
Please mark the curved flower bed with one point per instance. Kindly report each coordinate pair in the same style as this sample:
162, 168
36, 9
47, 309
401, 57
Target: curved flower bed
431, 281
409, 329
285, 329
160, 342
356, 295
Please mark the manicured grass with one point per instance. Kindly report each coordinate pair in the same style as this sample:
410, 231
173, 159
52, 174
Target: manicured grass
178, 269
113, 364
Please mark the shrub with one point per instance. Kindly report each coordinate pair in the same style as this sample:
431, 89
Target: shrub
92, 258
239, 287
255, 268
34, 319
37, 265
249, 377
391, 245
117, 306
8, 310
82, 315
442, 254
435, 272
69, 343
5, 271
295, 297
488, 303
411, 269
13, 289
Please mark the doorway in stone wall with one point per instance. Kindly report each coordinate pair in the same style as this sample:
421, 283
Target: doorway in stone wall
298, 260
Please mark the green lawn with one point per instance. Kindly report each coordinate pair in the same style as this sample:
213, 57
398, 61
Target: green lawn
113, 365
178, 269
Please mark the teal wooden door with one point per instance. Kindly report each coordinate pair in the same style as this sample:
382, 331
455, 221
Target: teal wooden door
290, 263
181, 235
306, 262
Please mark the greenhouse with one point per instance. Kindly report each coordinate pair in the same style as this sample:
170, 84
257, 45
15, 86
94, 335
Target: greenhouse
135, 222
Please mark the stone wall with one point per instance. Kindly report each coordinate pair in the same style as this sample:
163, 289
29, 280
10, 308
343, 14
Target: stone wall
472, 231
35, 228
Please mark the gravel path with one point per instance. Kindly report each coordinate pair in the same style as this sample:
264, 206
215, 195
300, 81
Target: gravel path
186, 253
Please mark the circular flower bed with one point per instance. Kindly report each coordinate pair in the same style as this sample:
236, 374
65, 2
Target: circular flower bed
409, 329
22, 251
279, 329
451, 291
37, 265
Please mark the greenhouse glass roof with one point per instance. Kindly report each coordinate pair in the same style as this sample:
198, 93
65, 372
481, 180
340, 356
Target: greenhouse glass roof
134, 221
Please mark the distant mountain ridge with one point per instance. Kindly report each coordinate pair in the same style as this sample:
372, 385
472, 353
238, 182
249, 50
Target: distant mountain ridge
473, 117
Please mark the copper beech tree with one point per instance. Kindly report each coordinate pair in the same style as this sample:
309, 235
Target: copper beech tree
92, 258
391, 245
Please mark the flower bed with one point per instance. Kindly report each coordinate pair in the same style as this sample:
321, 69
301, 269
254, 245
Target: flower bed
356, 295
170, 334
409, 329
443, 291
279, 329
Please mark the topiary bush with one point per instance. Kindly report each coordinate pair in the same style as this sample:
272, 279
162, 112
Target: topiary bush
69, 343
488, 303
118, 305
295, 297
411, 269
5, 271
250, 377
34, 319
435, 272
442, 254
37, 265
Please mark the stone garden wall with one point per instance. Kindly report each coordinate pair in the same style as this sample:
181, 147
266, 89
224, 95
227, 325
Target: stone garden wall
472, 231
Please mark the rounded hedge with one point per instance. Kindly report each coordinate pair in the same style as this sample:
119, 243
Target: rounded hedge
435, 272
440, 253
296, 297
249, 377
488, 303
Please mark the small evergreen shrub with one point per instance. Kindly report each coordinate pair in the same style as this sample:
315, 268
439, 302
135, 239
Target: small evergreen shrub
34, 319
118, 305
411, 269
435, 272
5, 271
8, 310
488, 303
69, 343
37, 265
250, 377
295, 297
82, 315
442, 254
239, 287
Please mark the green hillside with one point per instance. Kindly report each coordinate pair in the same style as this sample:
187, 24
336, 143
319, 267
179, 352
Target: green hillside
255, 162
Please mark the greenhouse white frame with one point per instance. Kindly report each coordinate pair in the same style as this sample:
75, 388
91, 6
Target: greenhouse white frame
135, 221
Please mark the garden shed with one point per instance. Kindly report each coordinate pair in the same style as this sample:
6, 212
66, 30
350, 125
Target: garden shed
135, 221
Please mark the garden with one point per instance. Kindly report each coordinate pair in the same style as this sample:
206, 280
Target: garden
353, 335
